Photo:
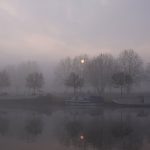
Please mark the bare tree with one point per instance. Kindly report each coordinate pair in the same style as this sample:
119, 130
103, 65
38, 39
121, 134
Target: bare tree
99, 71
35, 81
69, 65
79, 63
121, 79
24, 69
146, 76
130, 63
74, 81
4, 80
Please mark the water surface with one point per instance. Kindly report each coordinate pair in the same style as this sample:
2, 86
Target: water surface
75, 128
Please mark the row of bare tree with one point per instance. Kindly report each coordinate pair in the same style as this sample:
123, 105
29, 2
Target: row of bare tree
27, 75
100, 74
103, 72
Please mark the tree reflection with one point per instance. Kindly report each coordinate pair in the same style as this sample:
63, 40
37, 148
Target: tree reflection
103, 134
4, 126
33, 128
72, 132
121, 130
142, 113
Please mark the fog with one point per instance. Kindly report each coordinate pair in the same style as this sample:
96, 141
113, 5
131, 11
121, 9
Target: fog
74, 74
48, 30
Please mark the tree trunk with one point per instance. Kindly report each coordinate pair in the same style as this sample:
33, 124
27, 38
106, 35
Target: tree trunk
110, 89
98, 90
102, 89
34, 91
129, 87
121, 88
74, 91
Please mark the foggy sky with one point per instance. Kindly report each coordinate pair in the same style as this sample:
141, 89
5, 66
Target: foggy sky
48, 30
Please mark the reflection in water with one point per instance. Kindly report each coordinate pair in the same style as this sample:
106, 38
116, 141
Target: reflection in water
33, 128
81, 129
73, 131
104, 133
142, 113
101, 135
4, 125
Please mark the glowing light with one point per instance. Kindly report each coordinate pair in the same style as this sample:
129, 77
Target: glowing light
82, 61
81, 137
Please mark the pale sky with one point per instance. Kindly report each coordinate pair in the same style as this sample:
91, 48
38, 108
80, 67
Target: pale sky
51, 29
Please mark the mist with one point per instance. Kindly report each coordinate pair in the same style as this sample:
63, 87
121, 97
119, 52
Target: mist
50, 30
74, 74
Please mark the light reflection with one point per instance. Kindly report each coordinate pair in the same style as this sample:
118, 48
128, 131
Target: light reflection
82, 137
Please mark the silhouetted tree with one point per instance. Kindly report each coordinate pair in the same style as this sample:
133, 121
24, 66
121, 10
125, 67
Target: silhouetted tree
33, 128
35, 81
4, 80
67, 66
130, 63
24, 69
146, 74
4, 125
74, 81
121, 79
99, 72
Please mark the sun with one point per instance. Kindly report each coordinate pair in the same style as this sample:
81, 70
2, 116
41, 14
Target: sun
82, 61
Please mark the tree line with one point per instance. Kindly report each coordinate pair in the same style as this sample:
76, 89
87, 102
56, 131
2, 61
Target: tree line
103, 73
99, 74
25, 75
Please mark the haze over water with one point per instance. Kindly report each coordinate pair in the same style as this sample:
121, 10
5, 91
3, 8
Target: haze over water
126, 129
74, 74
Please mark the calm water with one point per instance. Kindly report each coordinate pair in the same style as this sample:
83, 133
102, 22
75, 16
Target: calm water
75, 129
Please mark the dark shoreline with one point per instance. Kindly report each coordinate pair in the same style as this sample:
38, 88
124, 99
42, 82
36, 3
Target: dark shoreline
48, 101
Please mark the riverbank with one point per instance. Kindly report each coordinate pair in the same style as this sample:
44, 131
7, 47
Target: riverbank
114, 100
32, 100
